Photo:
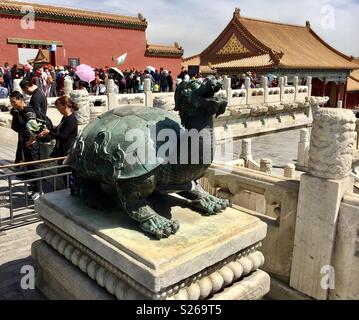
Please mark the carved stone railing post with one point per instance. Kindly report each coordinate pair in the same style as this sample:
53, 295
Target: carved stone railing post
247, 85
111, 94
309, 85
266, 166
16, 84
340, 104
264, 85
281, 85
68, 88
320, 195
148, 93
296, 86
289, 171
81, 99
303, 148
228, 88
246, 151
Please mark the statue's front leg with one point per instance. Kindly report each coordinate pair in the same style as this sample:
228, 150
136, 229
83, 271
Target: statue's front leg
201, 200
140, 210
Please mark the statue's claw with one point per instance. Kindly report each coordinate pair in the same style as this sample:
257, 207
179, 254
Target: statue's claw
210, 205
160, 227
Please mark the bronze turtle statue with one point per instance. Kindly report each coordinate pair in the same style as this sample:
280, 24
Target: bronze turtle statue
135, 151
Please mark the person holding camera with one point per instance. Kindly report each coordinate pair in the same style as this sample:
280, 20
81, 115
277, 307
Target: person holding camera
24, 122
65, 133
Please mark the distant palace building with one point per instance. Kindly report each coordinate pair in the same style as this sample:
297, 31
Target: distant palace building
353, 89
80, 36
280, 49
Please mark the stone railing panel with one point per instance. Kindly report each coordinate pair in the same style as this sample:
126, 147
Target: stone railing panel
255, 96
130, 98
239, 97
345, 285
272, 199
302, 93
273, 95
288, 94
164, 101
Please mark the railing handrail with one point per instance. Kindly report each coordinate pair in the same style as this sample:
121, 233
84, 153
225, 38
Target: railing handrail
21, 164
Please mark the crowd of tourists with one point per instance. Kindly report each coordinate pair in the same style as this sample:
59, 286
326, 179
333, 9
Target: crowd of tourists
50, 80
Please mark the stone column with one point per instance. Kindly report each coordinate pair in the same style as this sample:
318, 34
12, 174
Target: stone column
246, 150
266, 166
289, 171
111, 94
320, 195
228, 88
81, 99
148, 93
67, 87
264, 85
303, 148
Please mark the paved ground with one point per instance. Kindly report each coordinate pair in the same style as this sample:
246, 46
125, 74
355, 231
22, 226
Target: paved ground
15, 253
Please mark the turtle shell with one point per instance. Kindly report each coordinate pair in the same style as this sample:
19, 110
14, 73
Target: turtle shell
121, 143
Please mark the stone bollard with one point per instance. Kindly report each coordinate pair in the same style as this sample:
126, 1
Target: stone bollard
148, 93
296, 87
81, 99
246, 150
228, 88
266, 166
309, 85
111, 94
264, 85
68, 88
289, 171
320, 194
303, 148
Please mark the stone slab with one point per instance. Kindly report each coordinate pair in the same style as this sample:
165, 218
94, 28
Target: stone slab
156, 264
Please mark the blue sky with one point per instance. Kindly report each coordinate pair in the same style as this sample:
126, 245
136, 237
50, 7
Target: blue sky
194, 24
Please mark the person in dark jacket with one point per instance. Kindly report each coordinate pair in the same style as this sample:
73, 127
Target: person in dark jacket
29, 147
65, 133
38, 101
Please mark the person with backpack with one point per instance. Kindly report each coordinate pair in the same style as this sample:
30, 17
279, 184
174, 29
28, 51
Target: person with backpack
24, 122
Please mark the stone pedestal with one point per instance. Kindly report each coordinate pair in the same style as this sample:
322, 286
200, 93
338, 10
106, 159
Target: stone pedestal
89, 254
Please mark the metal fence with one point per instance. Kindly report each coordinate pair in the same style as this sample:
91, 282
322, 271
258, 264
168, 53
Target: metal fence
16, 209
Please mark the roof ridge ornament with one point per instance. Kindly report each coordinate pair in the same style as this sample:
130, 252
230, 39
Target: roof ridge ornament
307, 24
237, 12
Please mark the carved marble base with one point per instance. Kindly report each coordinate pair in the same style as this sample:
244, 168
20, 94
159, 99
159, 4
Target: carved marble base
87, 254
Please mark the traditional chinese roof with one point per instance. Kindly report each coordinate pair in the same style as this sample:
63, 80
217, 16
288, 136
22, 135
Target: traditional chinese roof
353, 81
251, 43
257, 62
196, 61
164, 51
13, 8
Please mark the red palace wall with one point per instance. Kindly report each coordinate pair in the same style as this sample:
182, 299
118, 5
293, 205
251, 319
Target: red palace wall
94, 45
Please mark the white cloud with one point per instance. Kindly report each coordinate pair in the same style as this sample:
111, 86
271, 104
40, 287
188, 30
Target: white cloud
195, 24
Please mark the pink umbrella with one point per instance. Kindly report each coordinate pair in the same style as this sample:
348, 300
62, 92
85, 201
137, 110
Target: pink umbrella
85, 73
